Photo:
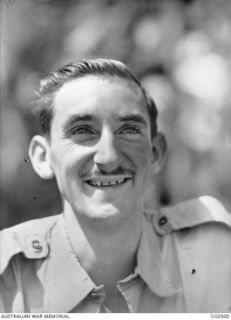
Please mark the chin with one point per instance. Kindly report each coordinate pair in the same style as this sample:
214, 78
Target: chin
105, 214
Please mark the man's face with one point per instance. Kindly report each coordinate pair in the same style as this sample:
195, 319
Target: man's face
100, 147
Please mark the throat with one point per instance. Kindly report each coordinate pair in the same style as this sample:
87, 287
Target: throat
108, 272
109, 256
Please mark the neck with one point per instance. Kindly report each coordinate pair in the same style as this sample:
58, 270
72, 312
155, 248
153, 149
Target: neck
107, 252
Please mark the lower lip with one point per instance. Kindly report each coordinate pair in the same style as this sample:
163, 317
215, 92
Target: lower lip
111, 186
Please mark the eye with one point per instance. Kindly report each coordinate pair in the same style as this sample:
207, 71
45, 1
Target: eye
130, 129
80, 130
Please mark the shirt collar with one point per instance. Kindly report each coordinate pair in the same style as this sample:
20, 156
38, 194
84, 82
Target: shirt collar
64, 280
70, 284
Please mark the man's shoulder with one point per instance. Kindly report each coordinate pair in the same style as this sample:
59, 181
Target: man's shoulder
29, 238
205, 211
194, 238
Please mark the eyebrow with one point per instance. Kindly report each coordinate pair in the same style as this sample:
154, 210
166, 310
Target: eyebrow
133, 117
78, 118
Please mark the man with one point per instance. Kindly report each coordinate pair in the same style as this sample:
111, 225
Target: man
105, 253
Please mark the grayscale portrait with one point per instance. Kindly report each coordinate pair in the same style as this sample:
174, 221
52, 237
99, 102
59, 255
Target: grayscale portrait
115, 157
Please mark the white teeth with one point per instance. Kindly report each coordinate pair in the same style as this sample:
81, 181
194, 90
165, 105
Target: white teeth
95, 183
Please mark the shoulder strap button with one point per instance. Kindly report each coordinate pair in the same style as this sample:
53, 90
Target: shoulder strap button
37, 245
190, 214
162, 221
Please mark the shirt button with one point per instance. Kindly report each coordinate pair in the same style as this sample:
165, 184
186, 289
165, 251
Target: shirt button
97, 295
162, 221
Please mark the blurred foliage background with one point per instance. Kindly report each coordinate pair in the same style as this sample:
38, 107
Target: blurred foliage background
179, 49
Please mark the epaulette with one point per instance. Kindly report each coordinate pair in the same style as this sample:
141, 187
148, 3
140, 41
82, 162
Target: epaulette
29, 238
191, 213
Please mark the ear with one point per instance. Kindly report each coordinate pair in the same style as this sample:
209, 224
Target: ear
38, 153
159, 148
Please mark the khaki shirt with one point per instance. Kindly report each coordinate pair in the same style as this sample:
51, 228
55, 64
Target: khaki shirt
183, 265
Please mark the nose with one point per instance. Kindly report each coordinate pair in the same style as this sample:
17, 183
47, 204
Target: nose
107, 154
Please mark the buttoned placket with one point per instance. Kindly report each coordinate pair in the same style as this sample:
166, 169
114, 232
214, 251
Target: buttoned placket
142, 271
94, 301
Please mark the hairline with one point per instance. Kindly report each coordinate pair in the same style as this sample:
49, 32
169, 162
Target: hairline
55, 81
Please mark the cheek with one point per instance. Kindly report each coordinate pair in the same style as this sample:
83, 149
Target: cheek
63, 162
69, 161
140, 153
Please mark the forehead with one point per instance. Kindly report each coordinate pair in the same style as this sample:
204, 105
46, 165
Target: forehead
99, 95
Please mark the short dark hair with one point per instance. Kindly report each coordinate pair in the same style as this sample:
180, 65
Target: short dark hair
55, 80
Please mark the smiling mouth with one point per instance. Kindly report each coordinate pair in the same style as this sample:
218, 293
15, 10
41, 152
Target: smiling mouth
105, 182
